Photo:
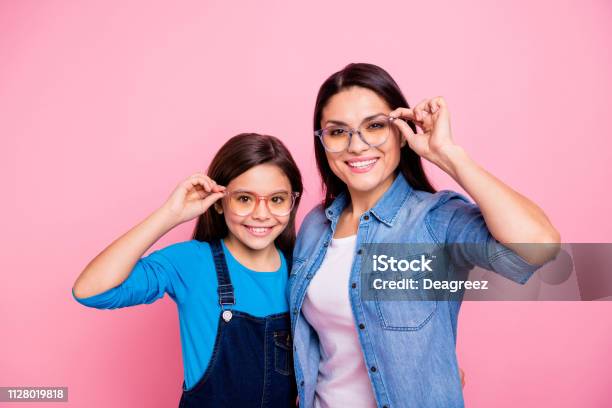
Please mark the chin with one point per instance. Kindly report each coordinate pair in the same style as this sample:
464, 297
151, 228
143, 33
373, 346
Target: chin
364, 182
257, 243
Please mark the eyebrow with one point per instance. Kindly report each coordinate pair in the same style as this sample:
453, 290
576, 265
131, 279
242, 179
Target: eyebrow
244, 190
339, 122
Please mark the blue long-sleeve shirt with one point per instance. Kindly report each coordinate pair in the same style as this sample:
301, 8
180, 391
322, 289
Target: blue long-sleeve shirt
186, 272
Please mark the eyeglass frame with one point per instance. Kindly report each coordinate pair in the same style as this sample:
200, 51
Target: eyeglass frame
351, 131
294, 196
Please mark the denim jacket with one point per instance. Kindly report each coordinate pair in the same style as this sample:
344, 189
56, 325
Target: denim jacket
408, 347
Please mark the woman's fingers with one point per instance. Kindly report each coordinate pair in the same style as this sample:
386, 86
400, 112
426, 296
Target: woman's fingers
405, 113
403, 127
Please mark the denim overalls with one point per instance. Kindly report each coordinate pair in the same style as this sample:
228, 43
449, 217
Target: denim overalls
251, 363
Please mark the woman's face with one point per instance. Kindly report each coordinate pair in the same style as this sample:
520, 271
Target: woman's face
259, 229
362, 168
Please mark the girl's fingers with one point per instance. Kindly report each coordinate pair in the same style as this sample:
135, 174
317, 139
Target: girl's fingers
210, 199
218, 189
202, 180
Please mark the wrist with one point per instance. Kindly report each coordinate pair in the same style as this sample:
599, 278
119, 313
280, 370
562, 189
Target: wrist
164, 217
451, 158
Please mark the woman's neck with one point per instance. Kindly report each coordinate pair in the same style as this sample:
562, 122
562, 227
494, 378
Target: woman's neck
362, 201
260, 260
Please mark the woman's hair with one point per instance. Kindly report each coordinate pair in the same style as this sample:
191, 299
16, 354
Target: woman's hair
239, 154
378, 80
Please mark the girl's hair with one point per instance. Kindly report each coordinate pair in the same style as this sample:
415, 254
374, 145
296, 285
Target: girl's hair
237, 155
378, 80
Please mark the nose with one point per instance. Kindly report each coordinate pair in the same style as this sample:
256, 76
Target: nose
261, 209
356, 144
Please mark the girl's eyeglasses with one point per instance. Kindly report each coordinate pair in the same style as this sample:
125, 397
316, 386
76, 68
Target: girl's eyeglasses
244, 203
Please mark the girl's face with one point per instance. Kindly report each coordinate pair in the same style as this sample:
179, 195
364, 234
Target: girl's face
362, 168
259, 229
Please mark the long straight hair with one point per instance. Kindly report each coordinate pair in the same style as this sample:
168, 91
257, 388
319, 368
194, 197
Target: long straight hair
239, 154
378, 80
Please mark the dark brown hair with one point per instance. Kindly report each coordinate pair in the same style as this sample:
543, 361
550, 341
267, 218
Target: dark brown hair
378, 80
237, 155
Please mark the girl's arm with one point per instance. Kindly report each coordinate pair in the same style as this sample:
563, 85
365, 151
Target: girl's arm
113, 265
511, 218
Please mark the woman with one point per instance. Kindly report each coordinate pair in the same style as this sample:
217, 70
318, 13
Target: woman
228, 282
359, 352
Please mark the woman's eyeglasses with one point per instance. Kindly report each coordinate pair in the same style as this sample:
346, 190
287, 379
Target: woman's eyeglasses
244, 203
373, 131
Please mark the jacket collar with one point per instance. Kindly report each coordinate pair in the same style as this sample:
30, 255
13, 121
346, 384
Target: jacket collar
387, 207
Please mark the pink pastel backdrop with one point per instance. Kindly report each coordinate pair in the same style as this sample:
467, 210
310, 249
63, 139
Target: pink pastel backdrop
106, 105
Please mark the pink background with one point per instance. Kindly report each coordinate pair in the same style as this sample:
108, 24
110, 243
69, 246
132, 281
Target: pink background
105, 106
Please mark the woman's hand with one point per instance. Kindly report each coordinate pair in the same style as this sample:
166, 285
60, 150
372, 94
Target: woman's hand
432, 116
192, 197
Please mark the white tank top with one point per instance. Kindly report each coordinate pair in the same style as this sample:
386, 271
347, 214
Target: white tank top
343, 378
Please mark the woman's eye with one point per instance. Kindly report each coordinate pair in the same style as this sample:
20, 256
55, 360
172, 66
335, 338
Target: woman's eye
337, 131
376, 125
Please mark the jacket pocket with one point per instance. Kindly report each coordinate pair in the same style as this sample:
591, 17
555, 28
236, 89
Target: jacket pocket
407, 311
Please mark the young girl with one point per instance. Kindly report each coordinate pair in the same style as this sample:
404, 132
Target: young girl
228, 282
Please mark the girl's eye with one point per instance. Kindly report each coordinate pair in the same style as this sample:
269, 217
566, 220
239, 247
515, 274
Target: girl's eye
277, 199
244, 198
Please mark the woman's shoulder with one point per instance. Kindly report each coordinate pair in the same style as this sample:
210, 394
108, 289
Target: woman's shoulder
314, 219
441, 202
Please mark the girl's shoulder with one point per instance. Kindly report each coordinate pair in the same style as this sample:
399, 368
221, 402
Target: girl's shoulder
186, 253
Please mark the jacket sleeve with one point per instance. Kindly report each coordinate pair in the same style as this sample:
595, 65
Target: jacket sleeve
470, 243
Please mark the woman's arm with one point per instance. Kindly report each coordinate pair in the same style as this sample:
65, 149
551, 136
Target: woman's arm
113, 265
510, 217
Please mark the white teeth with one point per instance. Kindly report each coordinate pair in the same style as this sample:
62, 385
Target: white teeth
361, 164
259, 230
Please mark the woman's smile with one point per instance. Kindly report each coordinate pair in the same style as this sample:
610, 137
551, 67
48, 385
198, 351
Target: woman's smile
361, 164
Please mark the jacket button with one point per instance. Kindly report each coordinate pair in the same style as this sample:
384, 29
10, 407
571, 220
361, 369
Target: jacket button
361, 326
294, 311
353, 285
359, 251
301, 383
326, 244
366, 217
373, 369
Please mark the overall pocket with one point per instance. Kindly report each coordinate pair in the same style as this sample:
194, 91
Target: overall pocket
283, 359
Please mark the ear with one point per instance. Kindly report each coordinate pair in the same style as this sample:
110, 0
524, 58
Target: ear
218, 208
403, 140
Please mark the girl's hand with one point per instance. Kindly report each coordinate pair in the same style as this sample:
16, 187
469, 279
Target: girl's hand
192, 197
432, 116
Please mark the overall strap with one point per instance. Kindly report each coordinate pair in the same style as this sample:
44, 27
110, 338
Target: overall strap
225, 289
